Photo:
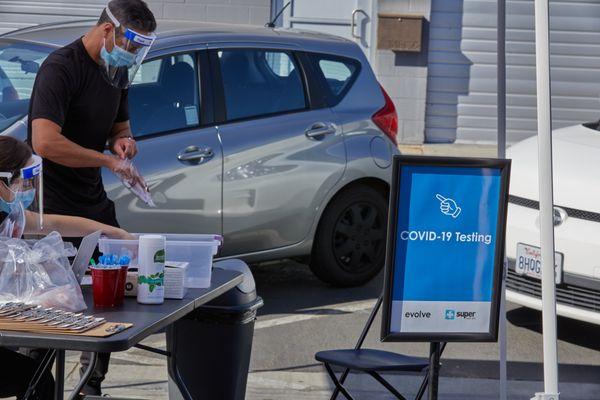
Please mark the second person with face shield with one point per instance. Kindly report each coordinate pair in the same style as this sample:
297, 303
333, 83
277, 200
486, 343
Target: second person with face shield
20, 189
78, 107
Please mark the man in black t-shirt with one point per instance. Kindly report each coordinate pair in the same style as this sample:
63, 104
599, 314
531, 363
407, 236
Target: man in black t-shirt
78, 106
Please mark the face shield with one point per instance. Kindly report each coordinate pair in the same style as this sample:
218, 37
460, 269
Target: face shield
128, 52
20, 192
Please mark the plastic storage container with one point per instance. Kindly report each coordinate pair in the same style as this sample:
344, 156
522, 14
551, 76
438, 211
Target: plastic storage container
198, 250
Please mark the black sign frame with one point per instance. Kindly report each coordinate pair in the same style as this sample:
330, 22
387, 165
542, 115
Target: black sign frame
503, 165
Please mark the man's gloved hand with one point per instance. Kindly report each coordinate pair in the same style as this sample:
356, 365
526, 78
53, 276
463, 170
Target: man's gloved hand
122, 169
131, 178
124, 147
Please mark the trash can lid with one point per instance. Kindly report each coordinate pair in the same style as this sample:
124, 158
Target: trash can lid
248, 285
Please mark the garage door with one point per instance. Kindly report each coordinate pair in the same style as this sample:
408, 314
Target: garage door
461, 96
350, 19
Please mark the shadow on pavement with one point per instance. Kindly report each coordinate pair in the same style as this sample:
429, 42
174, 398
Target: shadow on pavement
288, 287
517, 371
569, 330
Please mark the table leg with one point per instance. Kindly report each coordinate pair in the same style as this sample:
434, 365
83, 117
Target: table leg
86, 376
59, 385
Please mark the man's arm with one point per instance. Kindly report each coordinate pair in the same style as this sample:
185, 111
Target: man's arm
48, 142
121, 141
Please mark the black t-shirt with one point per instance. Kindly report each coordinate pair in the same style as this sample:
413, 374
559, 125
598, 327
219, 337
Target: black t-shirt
70, 90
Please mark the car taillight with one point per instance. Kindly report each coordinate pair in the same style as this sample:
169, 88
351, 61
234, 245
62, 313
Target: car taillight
386, 118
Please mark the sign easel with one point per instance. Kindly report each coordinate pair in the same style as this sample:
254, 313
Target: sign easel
445, 252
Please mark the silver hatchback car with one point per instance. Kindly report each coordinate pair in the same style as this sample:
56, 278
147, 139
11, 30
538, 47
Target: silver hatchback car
279, 140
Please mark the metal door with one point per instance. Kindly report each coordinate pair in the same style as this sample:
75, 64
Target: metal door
276, 177
352, 19
277, 171
183, 171
183, 167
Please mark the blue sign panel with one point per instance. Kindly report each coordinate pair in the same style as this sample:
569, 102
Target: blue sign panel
445, 248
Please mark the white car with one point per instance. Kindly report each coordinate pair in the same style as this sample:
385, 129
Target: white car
576, 223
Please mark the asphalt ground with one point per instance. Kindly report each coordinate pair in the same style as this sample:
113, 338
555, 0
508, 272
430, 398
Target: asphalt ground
302, 316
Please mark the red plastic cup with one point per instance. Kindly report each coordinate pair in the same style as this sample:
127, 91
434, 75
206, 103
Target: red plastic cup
121, 285
105, 286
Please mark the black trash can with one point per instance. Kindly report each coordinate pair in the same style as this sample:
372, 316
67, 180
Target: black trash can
210, 348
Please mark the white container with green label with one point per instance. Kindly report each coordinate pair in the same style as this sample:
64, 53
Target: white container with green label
151, 269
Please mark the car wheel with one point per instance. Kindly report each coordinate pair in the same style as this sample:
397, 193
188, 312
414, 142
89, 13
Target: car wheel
349, 246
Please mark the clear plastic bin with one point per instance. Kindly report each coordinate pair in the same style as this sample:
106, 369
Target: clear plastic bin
197, 250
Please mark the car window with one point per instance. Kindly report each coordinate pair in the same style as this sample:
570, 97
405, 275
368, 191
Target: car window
260, 82
19, 64
279, 63
164, 95
148, 72
338, 73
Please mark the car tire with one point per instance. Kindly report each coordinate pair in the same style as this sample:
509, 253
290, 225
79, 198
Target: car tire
349, 246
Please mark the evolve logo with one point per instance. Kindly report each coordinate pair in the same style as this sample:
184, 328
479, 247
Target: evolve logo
453, 314
417, 314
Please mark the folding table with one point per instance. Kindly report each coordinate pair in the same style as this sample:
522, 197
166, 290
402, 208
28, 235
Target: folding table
146, 320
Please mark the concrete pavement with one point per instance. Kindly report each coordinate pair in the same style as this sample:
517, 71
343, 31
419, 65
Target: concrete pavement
454, 149
140, 375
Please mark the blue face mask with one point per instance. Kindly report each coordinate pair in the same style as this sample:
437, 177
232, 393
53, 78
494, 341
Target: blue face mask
24, 198
117, 57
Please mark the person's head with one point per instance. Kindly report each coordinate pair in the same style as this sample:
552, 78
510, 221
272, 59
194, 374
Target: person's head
121, 39
14, 155
130, 14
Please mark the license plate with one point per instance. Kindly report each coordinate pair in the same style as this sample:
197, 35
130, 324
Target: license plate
529, 262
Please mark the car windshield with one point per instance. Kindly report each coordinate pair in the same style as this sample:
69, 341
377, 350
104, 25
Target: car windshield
19, 64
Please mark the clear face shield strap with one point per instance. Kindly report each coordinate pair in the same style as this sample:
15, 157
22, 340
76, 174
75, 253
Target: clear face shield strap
114, 19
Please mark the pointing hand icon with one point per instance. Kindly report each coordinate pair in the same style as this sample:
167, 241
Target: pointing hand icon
448, 206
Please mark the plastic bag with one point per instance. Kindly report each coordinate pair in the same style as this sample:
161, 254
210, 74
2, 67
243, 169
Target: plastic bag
39, 273
133, 180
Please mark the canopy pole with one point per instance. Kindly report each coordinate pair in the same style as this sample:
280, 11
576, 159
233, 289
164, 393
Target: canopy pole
501, 80
501, 143
544, 122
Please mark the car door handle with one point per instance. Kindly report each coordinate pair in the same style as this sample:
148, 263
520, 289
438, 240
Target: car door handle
319, 130
195, 155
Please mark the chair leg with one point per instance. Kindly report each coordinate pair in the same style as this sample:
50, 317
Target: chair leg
336, 391
43, 366
337, 383
387, 385
335, 394
423, 387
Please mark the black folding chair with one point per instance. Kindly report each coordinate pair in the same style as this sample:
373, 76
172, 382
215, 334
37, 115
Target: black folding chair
372, 362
